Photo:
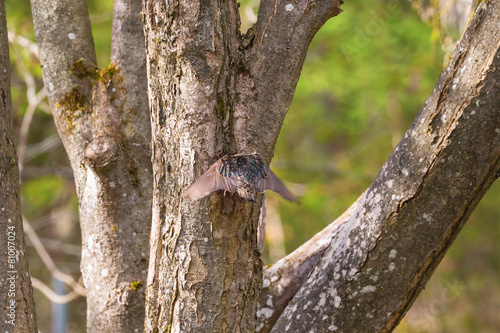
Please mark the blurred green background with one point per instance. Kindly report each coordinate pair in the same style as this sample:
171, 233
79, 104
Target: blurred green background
367, 74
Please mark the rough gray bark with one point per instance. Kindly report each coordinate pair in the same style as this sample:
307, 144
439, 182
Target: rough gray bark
282, 280
214, 91
378, 263
102, 118
17, 313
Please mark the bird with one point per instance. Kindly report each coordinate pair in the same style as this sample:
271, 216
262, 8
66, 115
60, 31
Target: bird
243, 173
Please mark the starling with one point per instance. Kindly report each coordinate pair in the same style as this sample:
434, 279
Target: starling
244, 173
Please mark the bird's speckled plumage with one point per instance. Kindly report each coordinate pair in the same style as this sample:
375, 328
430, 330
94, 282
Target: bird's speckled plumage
243, 173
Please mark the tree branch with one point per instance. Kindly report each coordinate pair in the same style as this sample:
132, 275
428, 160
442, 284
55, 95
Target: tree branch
23, 42
51, 295
64, 35
372, 272
282, 280
282, 35
34, 99
128, 52
102, 119
56, 245
47, 260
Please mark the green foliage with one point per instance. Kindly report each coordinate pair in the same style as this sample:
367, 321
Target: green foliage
42, 192
19, 18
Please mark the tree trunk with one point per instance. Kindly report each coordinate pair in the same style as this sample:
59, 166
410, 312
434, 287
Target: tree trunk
102, 118
16, 293
213, 91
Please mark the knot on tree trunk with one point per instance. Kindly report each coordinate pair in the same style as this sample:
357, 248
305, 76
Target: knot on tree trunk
102, 151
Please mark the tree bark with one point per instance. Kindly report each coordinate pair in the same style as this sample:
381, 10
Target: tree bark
282, 280
17, 312
378, 263
102, 118
214, 91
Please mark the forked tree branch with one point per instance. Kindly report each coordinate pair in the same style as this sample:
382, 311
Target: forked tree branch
374, 269
51, 295
101, 116
49, 263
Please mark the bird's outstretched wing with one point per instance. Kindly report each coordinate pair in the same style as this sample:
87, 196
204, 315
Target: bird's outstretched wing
273, 183
209, 182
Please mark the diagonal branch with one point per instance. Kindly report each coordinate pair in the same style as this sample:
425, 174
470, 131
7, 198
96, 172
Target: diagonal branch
384, 255
51, 295
23, 42
282, 280
49, 263
26, 123
34, 98
33, 101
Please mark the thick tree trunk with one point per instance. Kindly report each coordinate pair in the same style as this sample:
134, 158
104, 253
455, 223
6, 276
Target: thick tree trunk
204, 274
380, 260
17, 313
102, 118
213, 91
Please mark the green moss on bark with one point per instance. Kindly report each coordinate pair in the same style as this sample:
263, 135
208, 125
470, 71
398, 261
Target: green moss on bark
108, 74
74, 105
81, 70
136, 285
